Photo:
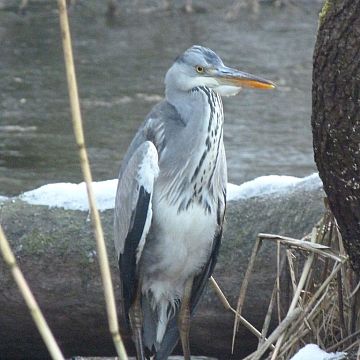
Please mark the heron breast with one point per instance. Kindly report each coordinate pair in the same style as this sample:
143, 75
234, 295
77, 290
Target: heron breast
181, 247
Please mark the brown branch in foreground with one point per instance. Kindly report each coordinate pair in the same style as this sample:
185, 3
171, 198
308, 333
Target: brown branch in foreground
227, 306
85, 167
31, 303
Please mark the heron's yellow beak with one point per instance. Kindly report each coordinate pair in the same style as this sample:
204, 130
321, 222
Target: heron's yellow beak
232, 77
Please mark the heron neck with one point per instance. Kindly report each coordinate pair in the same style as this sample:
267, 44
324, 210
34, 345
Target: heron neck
183, 101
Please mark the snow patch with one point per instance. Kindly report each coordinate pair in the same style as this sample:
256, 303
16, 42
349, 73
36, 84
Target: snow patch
73, 196
3, 198
313, 352
271, 184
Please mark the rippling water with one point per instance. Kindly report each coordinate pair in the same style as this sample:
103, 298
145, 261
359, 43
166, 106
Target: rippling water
120, 68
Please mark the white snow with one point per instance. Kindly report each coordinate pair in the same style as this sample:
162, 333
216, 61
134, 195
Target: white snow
73, 196
271, 184
313, 352
3, 198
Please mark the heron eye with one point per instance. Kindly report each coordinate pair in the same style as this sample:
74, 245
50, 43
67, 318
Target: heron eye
199, 69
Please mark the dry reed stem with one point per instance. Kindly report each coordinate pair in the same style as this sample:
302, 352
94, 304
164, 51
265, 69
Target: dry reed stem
31, 303
281, 328
289, 255
305, 320
267, 319
291, 341
343, 341
356, 343
85, 167
341, 303
321, 318
278, 302
227, 306
357, 287
294, 333
301, 283
243, 289
309, 306
304, 245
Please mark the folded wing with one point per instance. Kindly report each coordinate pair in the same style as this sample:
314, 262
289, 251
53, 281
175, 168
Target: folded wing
133, 214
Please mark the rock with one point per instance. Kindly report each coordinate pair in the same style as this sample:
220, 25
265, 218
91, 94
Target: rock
56, 251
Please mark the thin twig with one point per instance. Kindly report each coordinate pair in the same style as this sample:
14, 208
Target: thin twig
348, 348
31, 303
291, 341
342, 341
85, 167
227, 306
291, 268
304, 245
341, 303
303, 277
355, 290
267, 319
278, 300
289, 319
243, 289
318, 293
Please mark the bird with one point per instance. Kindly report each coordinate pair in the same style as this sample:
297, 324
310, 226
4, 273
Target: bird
170, 201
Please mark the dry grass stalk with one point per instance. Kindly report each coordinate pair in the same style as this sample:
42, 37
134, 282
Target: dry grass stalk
275, 335
85, 167
267, 320
299, 289
290, 256
303, 245
244, 288
325, 304
227, 306
278, 274
31, 303
344, 340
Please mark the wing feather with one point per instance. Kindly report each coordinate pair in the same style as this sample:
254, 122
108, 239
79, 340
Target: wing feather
133, 214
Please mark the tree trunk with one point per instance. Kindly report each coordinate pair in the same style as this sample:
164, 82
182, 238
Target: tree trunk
336, 116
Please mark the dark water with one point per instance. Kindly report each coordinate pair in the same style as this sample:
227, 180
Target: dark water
120, 68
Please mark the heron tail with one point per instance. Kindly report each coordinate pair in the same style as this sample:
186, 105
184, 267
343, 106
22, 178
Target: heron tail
160, 333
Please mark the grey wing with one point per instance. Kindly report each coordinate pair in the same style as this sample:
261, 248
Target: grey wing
133, 213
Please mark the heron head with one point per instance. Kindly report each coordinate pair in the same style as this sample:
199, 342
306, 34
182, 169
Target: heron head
200, 66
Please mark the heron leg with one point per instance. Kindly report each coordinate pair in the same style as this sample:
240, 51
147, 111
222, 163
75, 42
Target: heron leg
184, 319
136, 322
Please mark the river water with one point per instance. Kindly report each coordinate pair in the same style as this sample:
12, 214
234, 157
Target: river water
120, 67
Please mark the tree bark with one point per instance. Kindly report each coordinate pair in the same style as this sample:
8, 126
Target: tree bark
336, 116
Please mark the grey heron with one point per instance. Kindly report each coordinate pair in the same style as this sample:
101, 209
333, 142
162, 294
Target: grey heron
170, 201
